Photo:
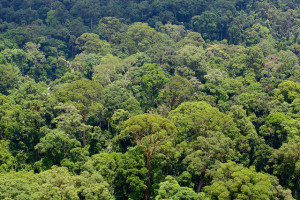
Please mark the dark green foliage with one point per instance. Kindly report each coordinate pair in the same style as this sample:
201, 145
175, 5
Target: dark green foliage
149, 99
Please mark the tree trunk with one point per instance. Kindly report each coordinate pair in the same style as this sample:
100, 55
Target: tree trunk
83, 138
146, 194
91, 22
36, 155
201, 183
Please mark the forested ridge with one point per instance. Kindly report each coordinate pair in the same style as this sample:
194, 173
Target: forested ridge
154, 99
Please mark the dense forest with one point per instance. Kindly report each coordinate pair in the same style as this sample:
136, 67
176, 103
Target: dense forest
150, 99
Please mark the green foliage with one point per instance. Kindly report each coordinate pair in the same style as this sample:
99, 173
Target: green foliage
197, 118
9, 78
170, 189
115, 97
86, 85
176, 91
242, 121
273, 129
193, 58
287, 91
6, 159
206, 24
91, 43
18, 185
111, 26
149, 131
152, 81
116, 168
286, 165
206, 152
231, 180
56, 183
143, 36
82, 93
56, 146
108, 71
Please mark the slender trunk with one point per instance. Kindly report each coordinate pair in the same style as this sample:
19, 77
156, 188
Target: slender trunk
65, 149
109, 37
36, 155
173, 101
146, 191
146, 194
91, 22
150, 100
222, 34
83, 138
201, 183
51, 4
84, 133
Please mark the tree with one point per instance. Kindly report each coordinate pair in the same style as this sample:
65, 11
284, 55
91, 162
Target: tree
144, 36
233, 181
176, 91
92, 186
243, 122
289, 62
175, 32
9, 78
194, 58
6, 159
206, 25
152, 80
256, 33
287, 91
285, 162
56, 146
170, 189
18, 58
51, 19
206, 152
25, 115
192, 38
108, 70
56, 183
111, 26
125, 173
69, 119
237, 63
254, 59
77, 28
89, 10
18, 185
115, 97
83, 94
36, 61
148, 131
91, 43
215, 76
273, 129
258, 103
197, 118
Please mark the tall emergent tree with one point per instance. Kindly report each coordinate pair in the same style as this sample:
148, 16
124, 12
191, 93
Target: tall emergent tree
148, 131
